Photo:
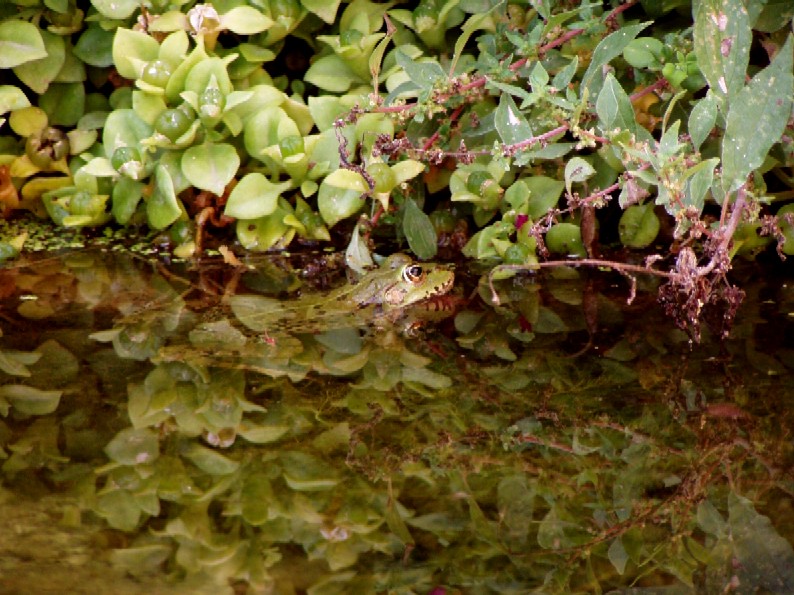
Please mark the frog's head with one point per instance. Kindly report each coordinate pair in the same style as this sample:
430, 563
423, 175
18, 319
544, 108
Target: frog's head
400, 282
413, 282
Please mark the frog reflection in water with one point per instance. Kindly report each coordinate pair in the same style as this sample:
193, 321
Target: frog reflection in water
382, 294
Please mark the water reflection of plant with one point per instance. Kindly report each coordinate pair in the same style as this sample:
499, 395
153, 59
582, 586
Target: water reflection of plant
545, 472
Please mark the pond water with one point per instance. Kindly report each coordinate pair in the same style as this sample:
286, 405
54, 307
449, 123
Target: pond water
563, 441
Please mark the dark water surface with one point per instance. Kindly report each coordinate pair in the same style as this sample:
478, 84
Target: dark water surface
561, 442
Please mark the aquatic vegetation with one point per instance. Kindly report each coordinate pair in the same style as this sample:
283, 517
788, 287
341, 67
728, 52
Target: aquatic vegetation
491, 453
540, 132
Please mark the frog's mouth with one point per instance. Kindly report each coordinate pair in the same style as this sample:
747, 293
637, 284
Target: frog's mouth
439, 300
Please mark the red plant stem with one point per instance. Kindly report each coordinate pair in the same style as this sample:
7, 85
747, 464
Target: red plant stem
560, 40
452, 118
621, 8
660, 84
535, 139
480, 82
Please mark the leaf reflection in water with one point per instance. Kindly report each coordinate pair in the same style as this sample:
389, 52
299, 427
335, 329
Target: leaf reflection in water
492, 455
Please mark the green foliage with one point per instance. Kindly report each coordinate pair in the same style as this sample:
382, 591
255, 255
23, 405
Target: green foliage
635, 103
488, 456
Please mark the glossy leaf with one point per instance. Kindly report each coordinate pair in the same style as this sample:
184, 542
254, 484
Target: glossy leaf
254, 196
245, 20
162, 208
38, 74
330, 73
20, 42
336, 204
131, 50
325, 9
116, 9
123, 128
210, 166
264, 233
12, 98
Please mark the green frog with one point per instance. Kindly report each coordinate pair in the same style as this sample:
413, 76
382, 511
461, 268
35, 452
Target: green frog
382, 293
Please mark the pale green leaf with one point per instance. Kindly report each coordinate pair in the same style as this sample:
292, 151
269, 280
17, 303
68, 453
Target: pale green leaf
325, 9
331, 73
245, 20
577, 170
20, 42
116, 9
210, 166
347, 179
407, 170
133, 447
254, 196
162, 208
38, 74
130, 48
12, 98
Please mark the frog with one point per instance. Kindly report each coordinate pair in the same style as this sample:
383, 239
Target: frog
382, 294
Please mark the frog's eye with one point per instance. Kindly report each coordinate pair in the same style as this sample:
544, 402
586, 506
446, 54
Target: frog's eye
413, 274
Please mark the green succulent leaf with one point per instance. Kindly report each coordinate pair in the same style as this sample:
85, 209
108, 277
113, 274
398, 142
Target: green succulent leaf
38, 74
331, 73
162, 208
254, 196
131, 50
325, 9
133, 447
95, 47
245, 20
20, 42
335, 203
116, 9
210, 166
12, 98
